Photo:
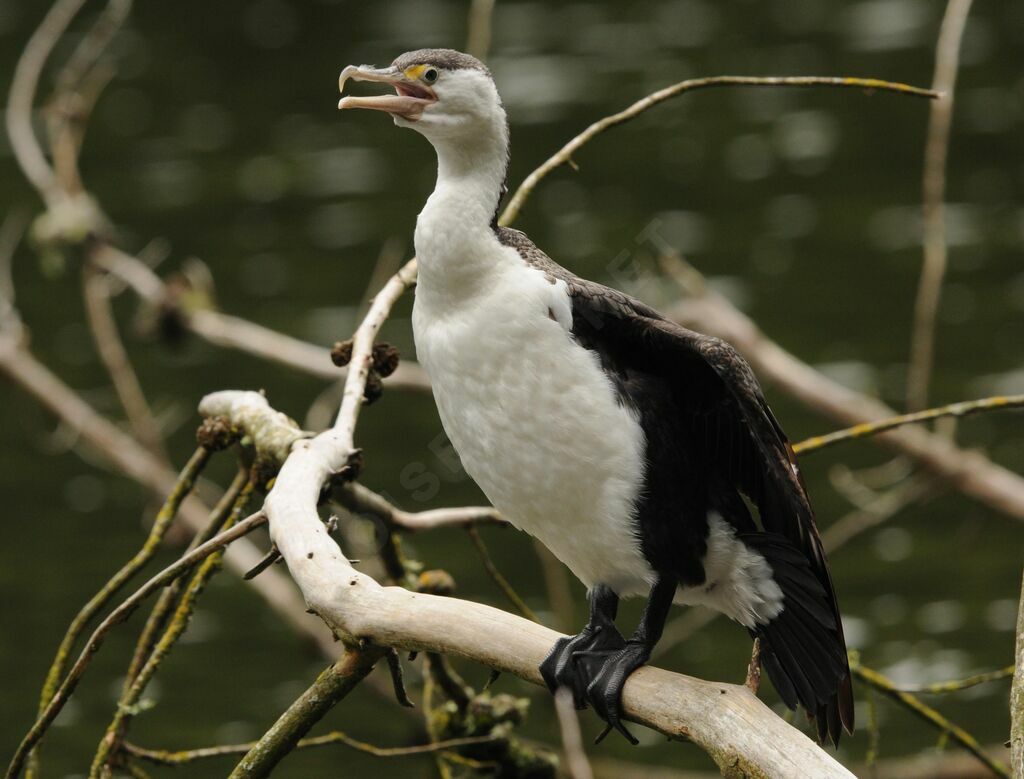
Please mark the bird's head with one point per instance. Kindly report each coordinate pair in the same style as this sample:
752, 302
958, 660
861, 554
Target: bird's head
444, 94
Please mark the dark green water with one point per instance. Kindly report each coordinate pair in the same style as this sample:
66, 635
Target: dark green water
220, 137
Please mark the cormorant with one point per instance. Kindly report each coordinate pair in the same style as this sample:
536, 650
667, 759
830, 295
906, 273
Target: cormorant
642, 454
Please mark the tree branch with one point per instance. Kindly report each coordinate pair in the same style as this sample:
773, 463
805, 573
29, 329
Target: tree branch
1017, 698
961, 409
928, 714
940, 118
564, 155
330, 687
968, 471
231, 332
116, 617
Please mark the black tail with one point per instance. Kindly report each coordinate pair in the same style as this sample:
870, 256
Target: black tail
803, 648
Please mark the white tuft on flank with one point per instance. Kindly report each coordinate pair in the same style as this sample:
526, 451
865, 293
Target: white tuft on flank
739, 580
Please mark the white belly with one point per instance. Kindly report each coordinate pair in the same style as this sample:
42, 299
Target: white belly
536, 421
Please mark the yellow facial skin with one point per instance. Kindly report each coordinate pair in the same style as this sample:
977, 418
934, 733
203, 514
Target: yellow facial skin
414, 72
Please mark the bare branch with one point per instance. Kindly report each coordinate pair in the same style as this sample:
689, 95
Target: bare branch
184, 757
564, 155
1017, 698
116, 617
936, 150
126, 455
961, 409
928, 714
576, 763
362, 500
330, 687
103, 326
478, 39
132, 692
362, 350
21, 101
968, 471
231, 332
503, 584
956, 685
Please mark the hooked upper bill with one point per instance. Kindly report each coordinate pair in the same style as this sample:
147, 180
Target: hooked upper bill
410, 98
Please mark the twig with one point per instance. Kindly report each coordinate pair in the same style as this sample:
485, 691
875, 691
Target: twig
79, 84
941, 688
103, 326
564, 155
184, 757
478, 39
232, 332
179, 621
362, 500
166, 515
21, 100
556, 584
576, 763
127, 456
928, 714
879, 510
1017, 697
169, 595
865, 429
503, 584
936, 150
331, 686
116, 617
753, 680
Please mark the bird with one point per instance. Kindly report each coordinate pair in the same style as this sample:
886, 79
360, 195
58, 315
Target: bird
641, 453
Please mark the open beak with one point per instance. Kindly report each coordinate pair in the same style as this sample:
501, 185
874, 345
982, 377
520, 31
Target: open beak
408, 102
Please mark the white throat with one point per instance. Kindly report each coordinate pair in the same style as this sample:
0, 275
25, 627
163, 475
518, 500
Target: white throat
454, 239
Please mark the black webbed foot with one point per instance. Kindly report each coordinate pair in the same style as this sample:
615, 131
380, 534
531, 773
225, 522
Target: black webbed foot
575, 662
604, 693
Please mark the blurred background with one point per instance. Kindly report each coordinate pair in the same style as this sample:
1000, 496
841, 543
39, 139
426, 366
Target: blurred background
219, 139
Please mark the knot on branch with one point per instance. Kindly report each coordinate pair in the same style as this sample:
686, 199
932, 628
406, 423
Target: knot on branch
71, 220
217, 434
383, 362
270, 433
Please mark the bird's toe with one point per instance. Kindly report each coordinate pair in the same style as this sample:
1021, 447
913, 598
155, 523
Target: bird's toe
604, 693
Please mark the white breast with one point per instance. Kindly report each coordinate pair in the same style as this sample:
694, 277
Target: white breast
533, 416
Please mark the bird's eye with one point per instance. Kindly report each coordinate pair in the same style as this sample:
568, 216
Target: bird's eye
430, 75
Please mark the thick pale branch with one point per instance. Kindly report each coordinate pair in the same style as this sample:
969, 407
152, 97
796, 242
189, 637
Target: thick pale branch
732, 725
362, 349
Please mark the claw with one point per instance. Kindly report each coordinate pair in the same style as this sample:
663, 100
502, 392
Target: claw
605, 691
